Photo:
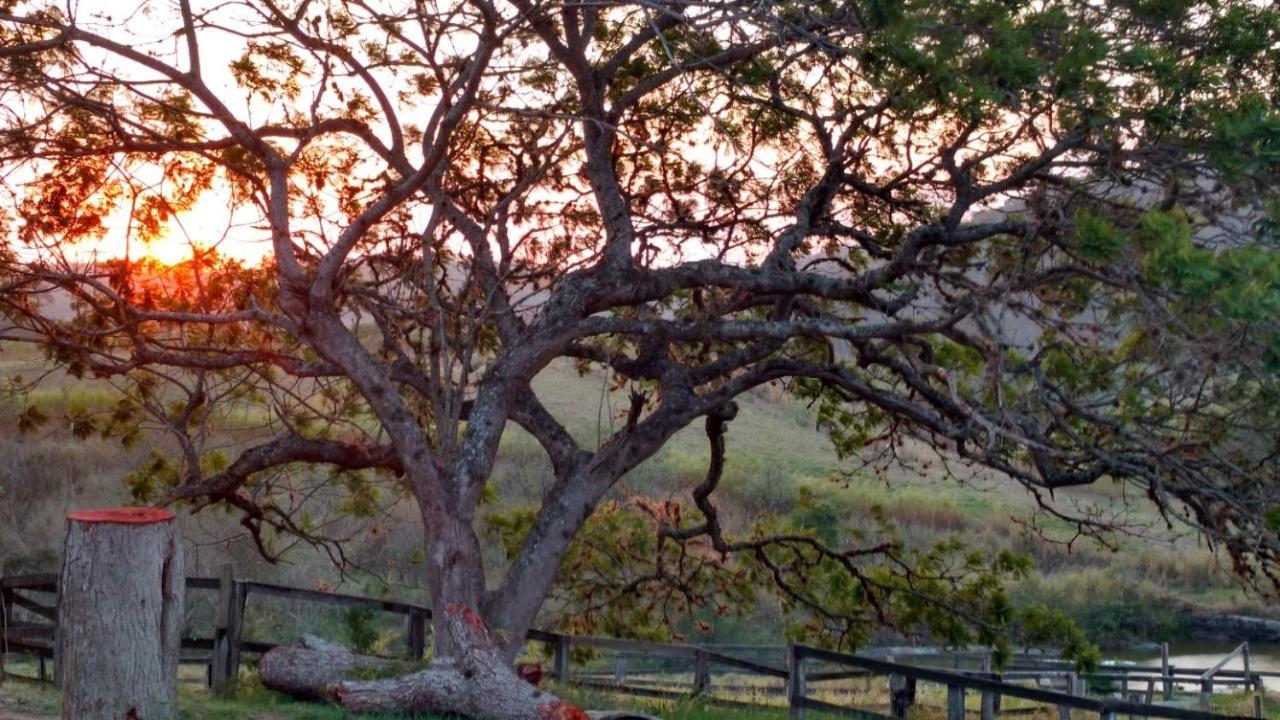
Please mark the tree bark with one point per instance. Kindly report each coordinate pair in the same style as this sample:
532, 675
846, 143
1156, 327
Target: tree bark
455, 573
120, 615
475, 681
309, 669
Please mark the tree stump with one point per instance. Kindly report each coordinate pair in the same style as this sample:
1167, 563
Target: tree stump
120, 615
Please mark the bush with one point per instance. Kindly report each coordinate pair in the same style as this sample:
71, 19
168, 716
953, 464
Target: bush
1108, 604
362, 633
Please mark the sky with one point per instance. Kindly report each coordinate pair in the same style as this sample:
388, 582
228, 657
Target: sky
211, 224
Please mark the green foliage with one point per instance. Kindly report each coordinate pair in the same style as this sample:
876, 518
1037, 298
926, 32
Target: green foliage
1273, 518
362, 632
1242, 141
1109, 607
362, 493
1095, 238
622, 578
1039, 626
157, 474
1237, 285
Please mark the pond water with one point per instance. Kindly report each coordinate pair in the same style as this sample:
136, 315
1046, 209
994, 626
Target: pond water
1264, 657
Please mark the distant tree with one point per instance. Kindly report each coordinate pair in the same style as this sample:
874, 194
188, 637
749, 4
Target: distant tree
1036, 237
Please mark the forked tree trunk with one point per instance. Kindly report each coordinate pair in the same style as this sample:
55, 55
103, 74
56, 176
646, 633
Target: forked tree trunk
120, 615
475, 682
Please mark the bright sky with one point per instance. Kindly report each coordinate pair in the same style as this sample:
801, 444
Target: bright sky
211, 224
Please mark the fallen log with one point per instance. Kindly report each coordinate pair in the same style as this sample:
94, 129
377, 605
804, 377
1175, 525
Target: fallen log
476, 682
311, 668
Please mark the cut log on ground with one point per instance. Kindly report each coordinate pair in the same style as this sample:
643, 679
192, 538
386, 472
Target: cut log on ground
477, 682
309, 669
120, 615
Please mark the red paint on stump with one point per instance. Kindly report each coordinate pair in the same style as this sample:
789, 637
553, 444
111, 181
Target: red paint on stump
122, 516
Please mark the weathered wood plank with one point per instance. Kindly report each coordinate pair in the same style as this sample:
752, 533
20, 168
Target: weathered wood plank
1241, 648
648, 648
235, 629
664, 694
946, 677
955, 702
29, 631
45, 611
39, 582
755, 667
560, 661
796, 689
221, 620
701, 674
416, 635
335, 598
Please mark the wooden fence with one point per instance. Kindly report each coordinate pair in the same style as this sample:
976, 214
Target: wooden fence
991, 687
805, 667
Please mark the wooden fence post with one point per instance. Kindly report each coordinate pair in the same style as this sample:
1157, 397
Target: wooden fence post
701, 673
955, 702
416, 635
1166, 671
796, 691
620, 669
988, 698
6, 606
902, 695
228, 629
1064, 711
221, 621
235, 630
57, 654
1244, 653
560, 668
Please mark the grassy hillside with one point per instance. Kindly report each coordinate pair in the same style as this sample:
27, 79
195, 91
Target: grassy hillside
775, 452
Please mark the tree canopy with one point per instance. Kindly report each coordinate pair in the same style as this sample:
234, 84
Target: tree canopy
1036, 237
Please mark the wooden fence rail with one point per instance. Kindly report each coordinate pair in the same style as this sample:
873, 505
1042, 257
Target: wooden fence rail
958, 683
222, 653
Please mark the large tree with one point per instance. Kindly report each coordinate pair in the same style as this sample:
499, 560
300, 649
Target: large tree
1036, 237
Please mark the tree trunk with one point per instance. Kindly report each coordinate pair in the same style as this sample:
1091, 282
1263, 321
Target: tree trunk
120, 615
475, 681
455, 573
